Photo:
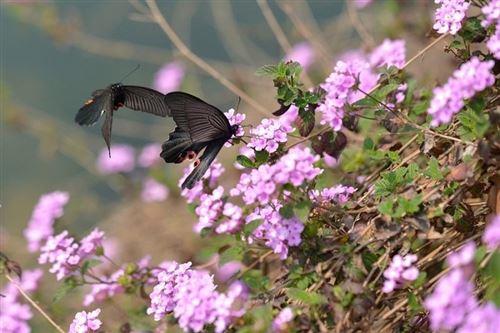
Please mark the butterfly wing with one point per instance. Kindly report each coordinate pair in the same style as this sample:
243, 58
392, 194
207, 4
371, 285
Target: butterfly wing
145, 100
206, 159
90, 113
178, 142
106, 127
203, 122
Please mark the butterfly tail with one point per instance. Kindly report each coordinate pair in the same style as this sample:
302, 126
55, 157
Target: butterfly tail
177, 143
106, 130
206, 159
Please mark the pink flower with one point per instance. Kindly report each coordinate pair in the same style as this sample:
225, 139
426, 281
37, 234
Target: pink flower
153, 191
50, 207
235, 119
472, 77
339, 194
210, 209
302, 53
269, 134
491, 236
493, 43
400, 272
449, 15
491, 13
150, 155
169, 77
210, 177
86, 322
122, 160
280, 323
389, 53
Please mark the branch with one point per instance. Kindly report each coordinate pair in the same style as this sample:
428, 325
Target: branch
186, 52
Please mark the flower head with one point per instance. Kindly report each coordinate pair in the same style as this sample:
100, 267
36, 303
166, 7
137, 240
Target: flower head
153, 191
400, 272
389, 53
303, 53
169, 77
280, 323
491, 236
50, 207
150, 155
449, 15
86, 322
491, 13
211, 176
269, 134
339, 194
122, 160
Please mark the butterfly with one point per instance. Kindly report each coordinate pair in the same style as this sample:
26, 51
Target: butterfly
113, 97
199, 126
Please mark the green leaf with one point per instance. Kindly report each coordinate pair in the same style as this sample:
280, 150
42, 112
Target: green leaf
386, 207
368, 144
233, 253
267, 70
420, 281
414, 303
261, 157
368, 258
473, 123
255, 280
343, 296
309, 298
88, 264
287, 211
250, 227
245, 161
433, 171
302, 210
472, 30
68, 285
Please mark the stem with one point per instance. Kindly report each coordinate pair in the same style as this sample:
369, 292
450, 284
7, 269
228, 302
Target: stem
33, 303
186, 52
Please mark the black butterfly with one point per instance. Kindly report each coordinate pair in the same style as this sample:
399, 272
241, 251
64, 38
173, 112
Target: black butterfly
116, 95
199, 125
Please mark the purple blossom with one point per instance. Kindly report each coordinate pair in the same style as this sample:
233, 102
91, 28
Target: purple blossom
86, 322
210, 209
210, 178
233, 219
66, 255
400, 93
491, 13
259, 185
491, 236
339, 194
330, 161
280, 323
493, 43
103, 291
389, 53
472, 77
340, 90
463, 257
153, 191
288, 119
269, 134
226, 305
150, 155
483, 319
303, 53
50, 207
449, 16
169, 77
452, 298
122, 160
236, 119
228, 270
400, 272
14, 315
277, 232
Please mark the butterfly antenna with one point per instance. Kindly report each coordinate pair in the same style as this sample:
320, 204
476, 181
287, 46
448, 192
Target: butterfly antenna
238, 104
131, 72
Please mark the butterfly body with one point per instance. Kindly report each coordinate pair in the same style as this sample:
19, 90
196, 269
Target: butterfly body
108, 100
199, 126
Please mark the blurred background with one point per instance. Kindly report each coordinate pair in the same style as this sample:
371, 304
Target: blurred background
55, 53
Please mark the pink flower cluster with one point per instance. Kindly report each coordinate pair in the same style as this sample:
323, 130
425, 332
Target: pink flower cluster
269, 134
236, 119
50, 207
192, 297
472, 77
296, 167
449, 16
338, 194
153, 191
66, 255
340, 88
277, 232
210, 178
453, 305
234, 221
280, 323
491, 236
169, 77
303, 53
150, 155
14, 315
492, 16
400, 272
210, 209
122, 159
86, 322
389, 53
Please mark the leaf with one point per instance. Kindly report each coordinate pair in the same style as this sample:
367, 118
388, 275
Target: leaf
88, 264
368, 258
414, 303
305, 122
267, 70
302, 210
433, 171
309, 298
386, 207
261, 157
250, 227
255, 280
287, 211
472, 30
233, 253
68, 285
245, 161
420, 280
474, 123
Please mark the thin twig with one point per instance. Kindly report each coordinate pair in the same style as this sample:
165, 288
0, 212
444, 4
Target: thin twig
33, 303
186, 52
358, 25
